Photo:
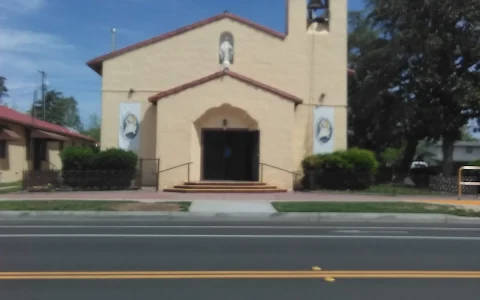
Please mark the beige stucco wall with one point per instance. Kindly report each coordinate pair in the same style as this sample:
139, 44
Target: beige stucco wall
182, 116
309, 64
12, 166
15, 162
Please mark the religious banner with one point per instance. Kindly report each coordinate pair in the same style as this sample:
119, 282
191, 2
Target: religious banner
323, 120
128, 134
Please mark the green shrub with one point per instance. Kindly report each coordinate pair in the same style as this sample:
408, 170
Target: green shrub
77, 158
108, 169
353, 169
475, 163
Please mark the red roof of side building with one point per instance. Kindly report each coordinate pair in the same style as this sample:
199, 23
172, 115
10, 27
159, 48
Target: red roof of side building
228, 73
97, 63
13, 116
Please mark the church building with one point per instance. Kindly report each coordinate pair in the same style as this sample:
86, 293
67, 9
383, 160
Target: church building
227, 99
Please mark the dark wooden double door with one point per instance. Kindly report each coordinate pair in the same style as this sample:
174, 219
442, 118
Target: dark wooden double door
231, 155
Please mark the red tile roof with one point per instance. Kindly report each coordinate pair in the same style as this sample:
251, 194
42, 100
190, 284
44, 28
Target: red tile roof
96, 63
220, 74
10, 115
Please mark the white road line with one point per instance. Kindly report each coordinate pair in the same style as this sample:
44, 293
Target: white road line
241, 236
250, 227
371, 231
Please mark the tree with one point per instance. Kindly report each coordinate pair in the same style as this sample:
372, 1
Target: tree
3, 89
436, 71
466, 135
59, 110
375, 114
94, 126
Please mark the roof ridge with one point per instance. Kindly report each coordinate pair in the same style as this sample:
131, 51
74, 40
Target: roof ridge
15, 116
222, 73
96, 63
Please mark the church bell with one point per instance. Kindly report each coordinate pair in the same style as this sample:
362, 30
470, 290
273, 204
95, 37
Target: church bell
317, 4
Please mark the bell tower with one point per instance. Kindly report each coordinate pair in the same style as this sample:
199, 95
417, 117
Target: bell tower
312, 15
318, 11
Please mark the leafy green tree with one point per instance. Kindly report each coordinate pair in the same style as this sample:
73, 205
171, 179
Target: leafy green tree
93, 129
466, 135
59, 110
436, 46
375, 114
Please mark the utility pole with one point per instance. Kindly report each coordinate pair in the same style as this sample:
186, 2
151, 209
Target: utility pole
43, 91
32, 111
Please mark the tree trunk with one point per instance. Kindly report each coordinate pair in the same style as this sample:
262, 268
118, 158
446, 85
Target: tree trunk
408, 155
447, 153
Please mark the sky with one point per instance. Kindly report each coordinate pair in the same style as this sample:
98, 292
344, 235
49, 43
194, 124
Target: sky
60, 36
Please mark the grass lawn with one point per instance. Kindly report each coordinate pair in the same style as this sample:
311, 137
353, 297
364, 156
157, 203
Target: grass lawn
79, 205
372, 207
10, 189
13, 183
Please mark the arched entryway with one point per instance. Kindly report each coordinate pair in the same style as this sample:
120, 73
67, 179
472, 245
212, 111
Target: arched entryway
230, 144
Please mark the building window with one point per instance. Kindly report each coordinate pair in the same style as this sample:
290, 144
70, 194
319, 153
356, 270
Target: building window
61, 145
469, 150
3, 149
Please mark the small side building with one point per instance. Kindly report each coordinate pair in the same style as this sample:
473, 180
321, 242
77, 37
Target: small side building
27, 143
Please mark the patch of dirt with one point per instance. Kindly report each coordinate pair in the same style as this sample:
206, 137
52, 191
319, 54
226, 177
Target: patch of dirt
146, 207
431, 207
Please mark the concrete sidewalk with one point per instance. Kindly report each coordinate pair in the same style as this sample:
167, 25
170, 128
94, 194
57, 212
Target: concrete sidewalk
227, 203
232, 206
151, 195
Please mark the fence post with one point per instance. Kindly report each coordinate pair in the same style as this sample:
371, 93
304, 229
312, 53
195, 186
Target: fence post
394, 187
158, 174
261, 172
460, 183
140, 173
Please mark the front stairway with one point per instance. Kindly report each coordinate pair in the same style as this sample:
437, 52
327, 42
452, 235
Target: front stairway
225, 187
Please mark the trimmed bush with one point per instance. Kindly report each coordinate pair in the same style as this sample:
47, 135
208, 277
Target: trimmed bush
77, 158
108, 169
353, 169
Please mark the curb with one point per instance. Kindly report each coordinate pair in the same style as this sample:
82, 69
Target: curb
246, 217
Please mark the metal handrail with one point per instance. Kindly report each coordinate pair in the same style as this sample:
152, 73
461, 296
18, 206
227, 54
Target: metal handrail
460, 182
295, 174
52, 165
178, 166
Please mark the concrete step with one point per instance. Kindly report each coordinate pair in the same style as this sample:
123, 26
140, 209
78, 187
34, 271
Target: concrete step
226, 183
218, 190
204, 186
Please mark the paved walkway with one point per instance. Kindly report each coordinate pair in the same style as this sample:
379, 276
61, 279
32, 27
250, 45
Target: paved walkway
231, 206
151, 195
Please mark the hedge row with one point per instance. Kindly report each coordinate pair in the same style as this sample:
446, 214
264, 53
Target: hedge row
352, 169
82, 167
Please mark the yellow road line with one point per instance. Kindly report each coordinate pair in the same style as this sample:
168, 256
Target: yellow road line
87, 273
238, 275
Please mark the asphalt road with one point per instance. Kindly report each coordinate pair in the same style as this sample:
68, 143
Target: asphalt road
144, 259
